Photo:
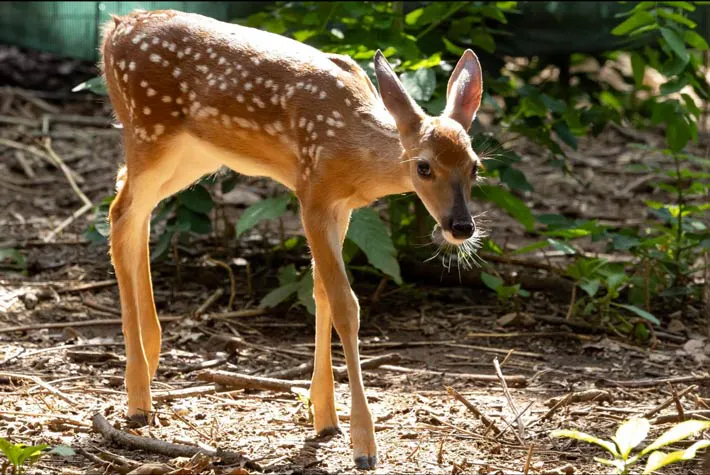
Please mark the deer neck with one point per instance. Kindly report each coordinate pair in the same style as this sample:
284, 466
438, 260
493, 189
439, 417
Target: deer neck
384, 170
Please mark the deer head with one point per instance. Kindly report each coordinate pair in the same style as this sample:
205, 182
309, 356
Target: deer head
441, 162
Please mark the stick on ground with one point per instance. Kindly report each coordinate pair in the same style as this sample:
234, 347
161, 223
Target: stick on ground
244, 381
486, 421
102, 426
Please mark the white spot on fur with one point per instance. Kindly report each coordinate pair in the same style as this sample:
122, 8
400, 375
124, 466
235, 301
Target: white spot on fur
159, 129
144, 84
339, 83
146, 110
309, 127
176, 72
248, 86
167, 99
256, 100
183, 86
302, 122
240, 98
202, 68
188, 50
323, 95
144, 46
150, 92
175, 113
223, 86
347, 102
178, 100
154, 58
250, 109
122, 64
330, 133
336, 114
125, 77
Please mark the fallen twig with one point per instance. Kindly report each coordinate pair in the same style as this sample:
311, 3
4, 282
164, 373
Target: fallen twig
101, 425
594, 329
652, 412
581, 396
488, 423
185, 393
117, 321
649, 383
517, 380
57, 161
509, 397
339, 372
677, 417
245, 381
210, 300
43, 384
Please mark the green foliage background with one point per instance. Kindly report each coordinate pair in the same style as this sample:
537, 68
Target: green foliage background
423, 40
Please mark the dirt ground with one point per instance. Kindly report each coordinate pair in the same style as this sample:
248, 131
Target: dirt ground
65, 362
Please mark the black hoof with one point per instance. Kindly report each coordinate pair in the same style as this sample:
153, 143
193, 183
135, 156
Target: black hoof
138, 420
366, 463
329, 432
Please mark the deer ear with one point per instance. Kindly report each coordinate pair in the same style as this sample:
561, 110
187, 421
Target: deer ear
406, 112
463, 95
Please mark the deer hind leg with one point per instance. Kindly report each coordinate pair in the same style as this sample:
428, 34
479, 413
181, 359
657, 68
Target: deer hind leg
154, 173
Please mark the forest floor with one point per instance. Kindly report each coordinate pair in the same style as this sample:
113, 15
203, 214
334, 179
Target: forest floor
65, 362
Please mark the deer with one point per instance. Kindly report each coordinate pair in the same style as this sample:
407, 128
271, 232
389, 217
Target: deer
194, 94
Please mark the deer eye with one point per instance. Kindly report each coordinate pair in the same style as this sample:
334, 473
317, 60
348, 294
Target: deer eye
423, 168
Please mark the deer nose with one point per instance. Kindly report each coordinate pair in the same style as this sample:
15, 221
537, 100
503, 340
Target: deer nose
462, 228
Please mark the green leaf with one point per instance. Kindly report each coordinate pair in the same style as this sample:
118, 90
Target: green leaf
638, 66
630, 434
420, 84
11, 451
590, 286
305, 293
618, 464
635, 21
573, 434
14, 255
288, 274
95, 85
695, 40
515, 179
678, 432
270, 208
641, 313
483, 39
675, 42
508, 202
565, 134
197, 199
660, 459
370, 234
491, 281
27, 454
676, 18
279, 294
532, 247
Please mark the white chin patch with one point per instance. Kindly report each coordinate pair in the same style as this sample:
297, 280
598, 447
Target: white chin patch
451, 239
440, 235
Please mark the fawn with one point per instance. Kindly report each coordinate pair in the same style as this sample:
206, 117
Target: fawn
195, 94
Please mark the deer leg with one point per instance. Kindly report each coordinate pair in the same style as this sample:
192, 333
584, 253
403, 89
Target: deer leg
129, 216
324, 228
325, 418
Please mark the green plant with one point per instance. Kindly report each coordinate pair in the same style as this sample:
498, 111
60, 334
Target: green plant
631, 433
16, 259
505, 293
21, 455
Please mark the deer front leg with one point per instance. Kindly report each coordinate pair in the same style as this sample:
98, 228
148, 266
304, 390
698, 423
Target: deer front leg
324, 227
